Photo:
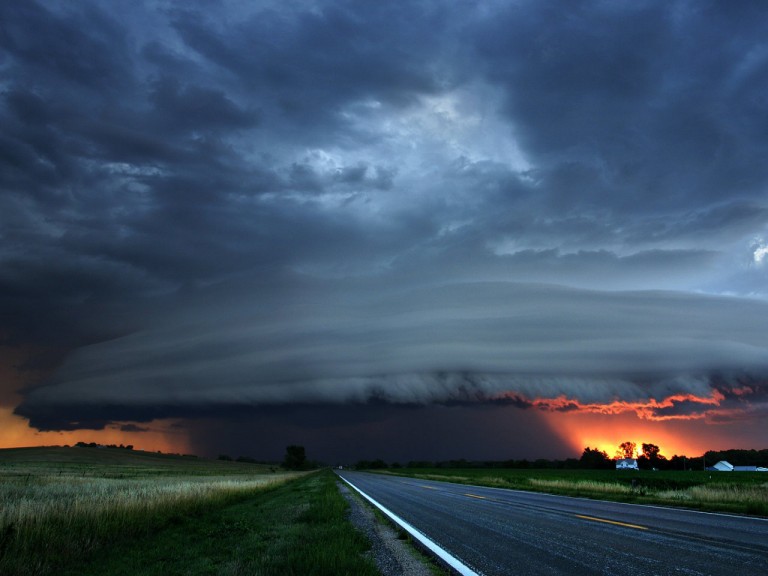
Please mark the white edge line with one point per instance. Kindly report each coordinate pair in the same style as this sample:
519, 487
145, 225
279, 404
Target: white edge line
444, 555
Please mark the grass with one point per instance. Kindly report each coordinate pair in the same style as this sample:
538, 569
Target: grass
89, 511
734, 492
299, 528
115, 463
60, 505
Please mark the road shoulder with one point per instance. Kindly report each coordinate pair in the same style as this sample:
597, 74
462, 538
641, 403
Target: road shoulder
393, 555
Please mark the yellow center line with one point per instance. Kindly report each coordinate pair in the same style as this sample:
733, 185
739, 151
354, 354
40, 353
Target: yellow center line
635, 526
475, 496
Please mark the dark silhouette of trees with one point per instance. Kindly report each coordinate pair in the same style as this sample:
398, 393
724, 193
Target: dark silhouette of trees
649, 457
626, 450
652, 458
95, 445
680, 463
295, 458
595, 459
650, 451
738, 457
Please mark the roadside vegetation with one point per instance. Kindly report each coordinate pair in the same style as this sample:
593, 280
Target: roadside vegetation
298, 528
59, 506
734, 492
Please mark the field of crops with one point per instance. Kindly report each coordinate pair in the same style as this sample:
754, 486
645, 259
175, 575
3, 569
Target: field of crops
58, 505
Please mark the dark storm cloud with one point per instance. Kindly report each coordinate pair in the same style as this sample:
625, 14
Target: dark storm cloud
652, 105
76, 46
133, 428
313, 61
231, 205
504, 341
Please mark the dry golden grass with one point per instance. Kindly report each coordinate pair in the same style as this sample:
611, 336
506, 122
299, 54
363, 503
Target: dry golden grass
721, 494
30, 501
67, 511
590, 486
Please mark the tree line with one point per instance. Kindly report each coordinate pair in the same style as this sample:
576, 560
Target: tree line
649, 457
95, 445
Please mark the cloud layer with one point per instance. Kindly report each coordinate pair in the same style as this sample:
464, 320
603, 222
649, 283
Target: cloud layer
210, 208
529, 345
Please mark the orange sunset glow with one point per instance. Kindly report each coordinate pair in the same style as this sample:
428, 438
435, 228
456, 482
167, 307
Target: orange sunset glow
606, 432
680, 424
15, 430
152, 436
648, 410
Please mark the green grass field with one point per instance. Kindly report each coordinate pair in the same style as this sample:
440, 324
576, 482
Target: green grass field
93, 510
116, 462
735, 492
299, 528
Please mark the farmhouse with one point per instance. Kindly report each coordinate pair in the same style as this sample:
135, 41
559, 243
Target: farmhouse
626, 464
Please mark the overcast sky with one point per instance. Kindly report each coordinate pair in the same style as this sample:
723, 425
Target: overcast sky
385, 228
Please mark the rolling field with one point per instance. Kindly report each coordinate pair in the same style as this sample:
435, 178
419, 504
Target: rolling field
61, 506
116, 462
735, 492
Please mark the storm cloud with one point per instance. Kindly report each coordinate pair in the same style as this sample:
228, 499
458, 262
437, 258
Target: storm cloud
210, 209
463, 343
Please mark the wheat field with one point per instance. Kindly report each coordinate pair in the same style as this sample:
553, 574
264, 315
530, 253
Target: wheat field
66, 510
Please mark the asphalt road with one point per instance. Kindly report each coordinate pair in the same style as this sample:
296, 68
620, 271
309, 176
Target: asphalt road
497, 531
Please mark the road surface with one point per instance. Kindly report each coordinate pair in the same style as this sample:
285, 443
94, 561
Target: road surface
497, 531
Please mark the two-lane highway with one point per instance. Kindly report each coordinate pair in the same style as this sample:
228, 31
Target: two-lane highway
496, 531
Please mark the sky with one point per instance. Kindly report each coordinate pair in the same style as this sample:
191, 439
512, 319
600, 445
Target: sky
401, 230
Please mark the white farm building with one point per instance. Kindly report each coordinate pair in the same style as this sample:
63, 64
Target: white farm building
724, 466
626, 464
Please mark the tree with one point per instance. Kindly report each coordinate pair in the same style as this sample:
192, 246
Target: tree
652, 458
295, 458
594, 458
651, 451
626, 450
679, 463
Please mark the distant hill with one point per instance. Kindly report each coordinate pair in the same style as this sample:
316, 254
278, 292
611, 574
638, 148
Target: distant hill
58, 456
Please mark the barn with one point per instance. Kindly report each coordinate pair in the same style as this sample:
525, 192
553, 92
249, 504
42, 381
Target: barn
724, 466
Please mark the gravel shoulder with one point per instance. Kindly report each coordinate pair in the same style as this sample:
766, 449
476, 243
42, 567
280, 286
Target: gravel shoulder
393, 556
